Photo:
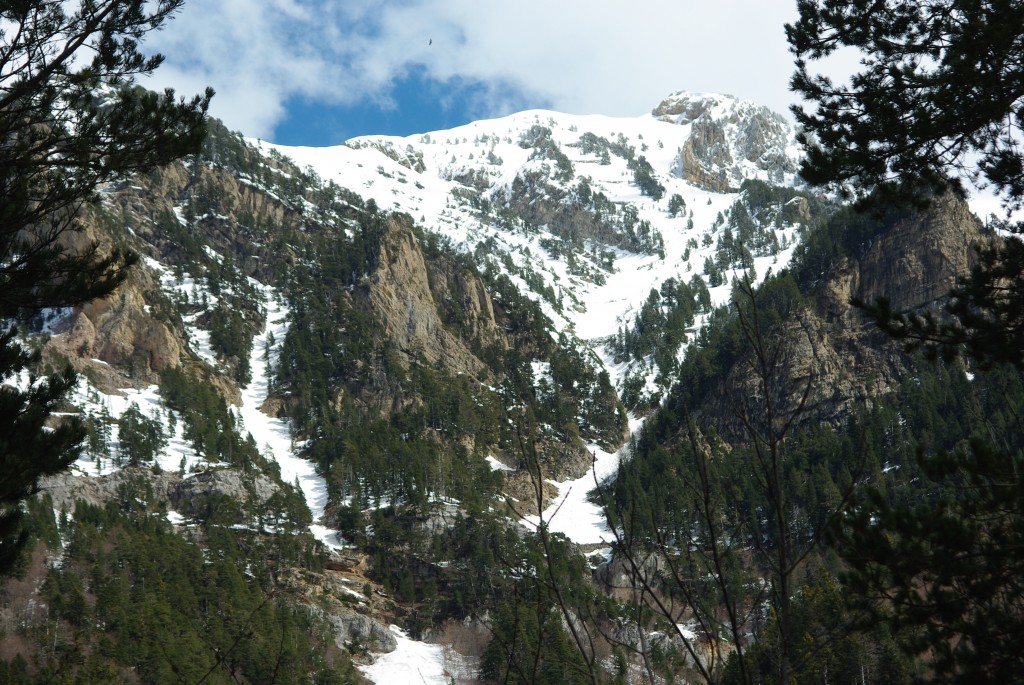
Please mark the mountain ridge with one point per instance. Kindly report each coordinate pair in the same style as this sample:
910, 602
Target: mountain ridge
392, 346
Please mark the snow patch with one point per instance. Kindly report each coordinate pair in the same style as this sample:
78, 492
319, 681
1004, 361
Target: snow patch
411, 662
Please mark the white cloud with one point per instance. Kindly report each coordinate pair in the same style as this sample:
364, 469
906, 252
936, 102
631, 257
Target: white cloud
597, 56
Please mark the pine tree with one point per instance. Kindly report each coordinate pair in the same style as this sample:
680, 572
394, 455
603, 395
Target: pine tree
941, 93
71, 120
940, 96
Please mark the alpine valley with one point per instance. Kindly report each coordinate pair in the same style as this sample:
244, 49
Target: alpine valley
546, 398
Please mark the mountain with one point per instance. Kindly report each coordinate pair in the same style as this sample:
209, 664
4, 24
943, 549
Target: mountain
588, 214
372, 384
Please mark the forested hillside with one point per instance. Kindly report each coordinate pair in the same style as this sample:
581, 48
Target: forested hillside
412, 389
571, 399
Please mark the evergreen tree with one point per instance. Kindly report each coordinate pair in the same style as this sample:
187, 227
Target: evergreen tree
71, 121
140, 438
940, 96
941, 92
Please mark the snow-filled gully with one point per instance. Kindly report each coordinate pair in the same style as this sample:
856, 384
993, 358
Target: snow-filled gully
273, 435
411, 661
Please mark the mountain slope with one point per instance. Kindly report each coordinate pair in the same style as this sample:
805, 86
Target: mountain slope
376, 351
588, 214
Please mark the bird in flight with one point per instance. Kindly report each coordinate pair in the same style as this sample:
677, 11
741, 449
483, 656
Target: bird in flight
431, 42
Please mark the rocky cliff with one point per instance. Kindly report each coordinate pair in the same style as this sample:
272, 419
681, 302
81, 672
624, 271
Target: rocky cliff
729, 140
404, 296
914, 262
829, 357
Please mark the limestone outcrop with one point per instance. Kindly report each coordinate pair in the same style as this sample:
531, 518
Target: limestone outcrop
400, 295
730, 140
831, 352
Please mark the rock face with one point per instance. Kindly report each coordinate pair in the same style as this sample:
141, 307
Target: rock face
120, 329
831, 351
357, 620
409, 158
730, 140
226, 482
400, 295
179, 494
808, 379
65, 488
124, 334
705, 156
918, 260
352, 627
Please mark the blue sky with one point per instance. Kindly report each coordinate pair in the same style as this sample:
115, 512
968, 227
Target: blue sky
417, 103
317, 72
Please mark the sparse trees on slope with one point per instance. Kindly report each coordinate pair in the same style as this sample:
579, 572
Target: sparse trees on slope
714, 537
70, 121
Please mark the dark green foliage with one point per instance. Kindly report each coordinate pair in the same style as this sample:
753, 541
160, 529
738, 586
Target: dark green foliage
49, 110
374, 460
759, 239
948, 567
643, 177
639, 235
590, 143
62, 140
940, 91
939, 97
932, 545
231, 338
360, 453
725, 513
27, 449
716, 276
454, 571
731, 253
828, 650
676, 204
659, 328
580, 401
779, 205
657, 489
544, 585
720, 342
208, 424
575, 215
317, 354
933, 550
132, 596
480, 546
546, 148
139, 437
530, 647
754, 219
534, 136
418, 450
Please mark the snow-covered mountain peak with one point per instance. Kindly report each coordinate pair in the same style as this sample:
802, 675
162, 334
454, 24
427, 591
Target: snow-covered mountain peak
587, 214
730, 140
684, 107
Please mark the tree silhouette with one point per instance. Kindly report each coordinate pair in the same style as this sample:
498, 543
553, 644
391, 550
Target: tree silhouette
71, 120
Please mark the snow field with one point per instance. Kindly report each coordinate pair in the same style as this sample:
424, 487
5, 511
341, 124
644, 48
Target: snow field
412, 662
176, 456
